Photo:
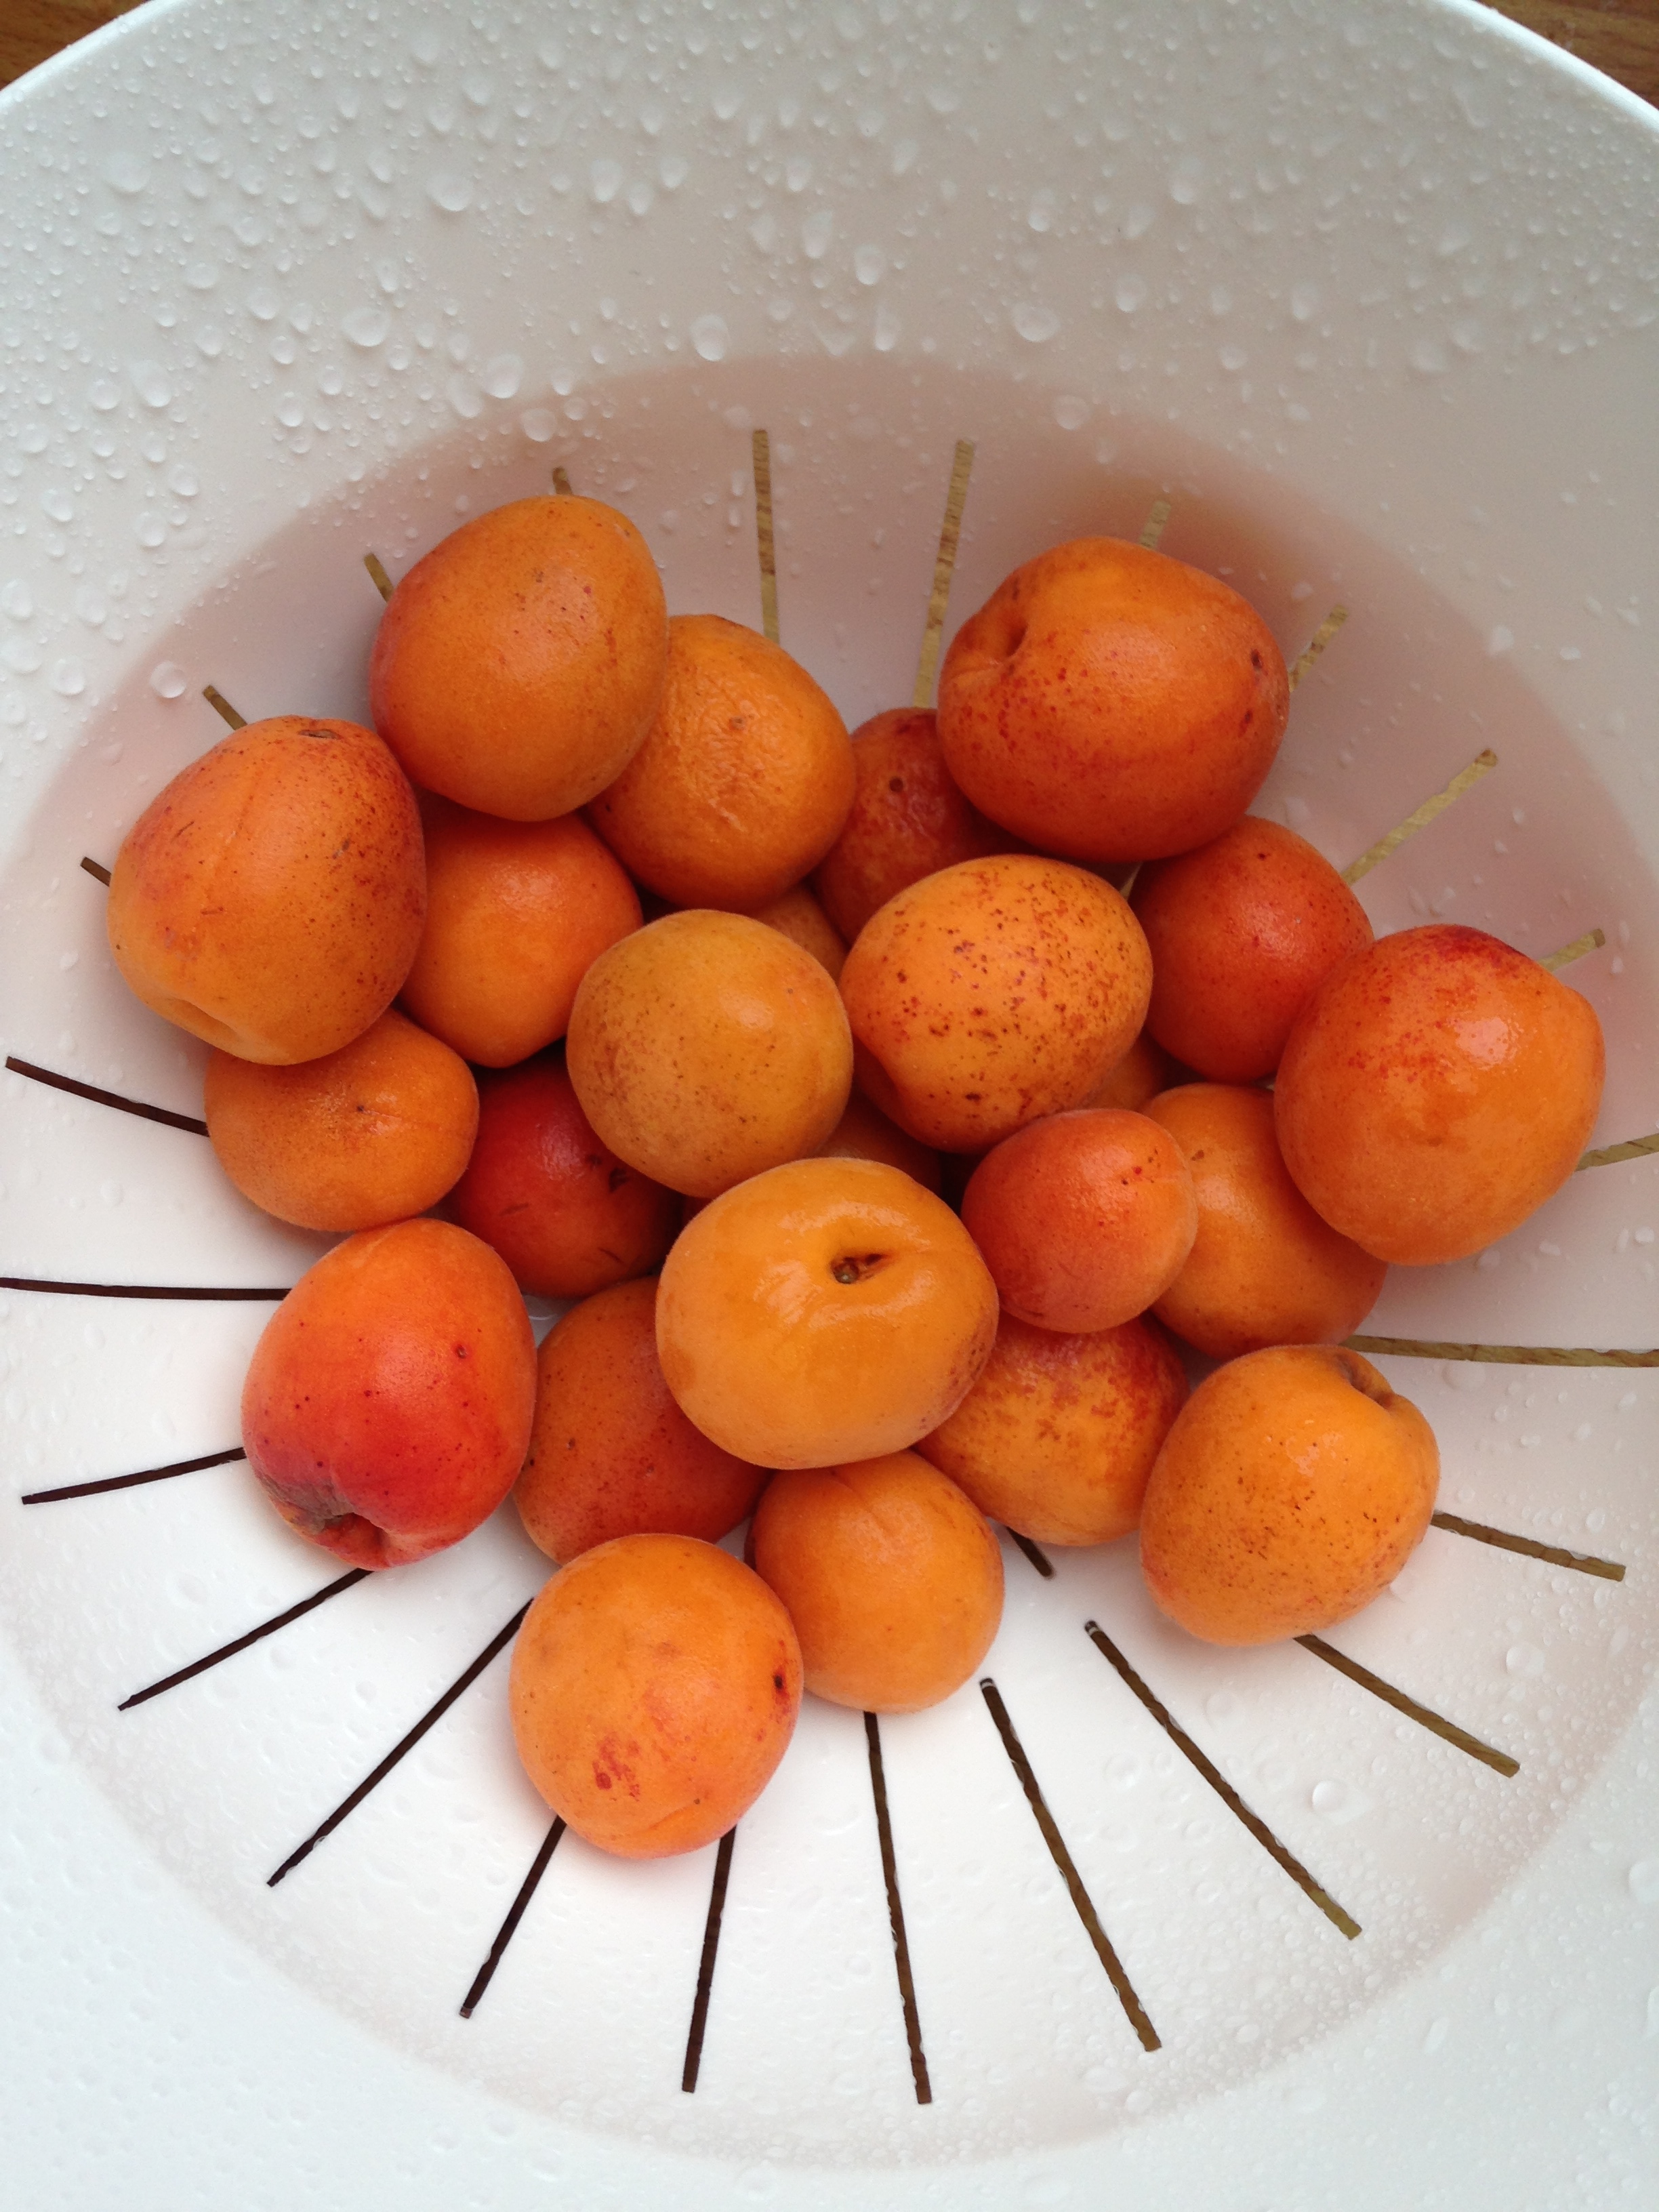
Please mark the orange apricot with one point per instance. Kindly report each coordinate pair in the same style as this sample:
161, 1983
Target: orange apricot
611, 1453
1110, 703
518, 665
863, 1132
655, 1686
992, 993
706, 1048
1291, 1490
743, 780
517, 911
387, 1405
565, 1214
1142, 1073
908, 819
799, 917
1435, 1091
1264, 1267
1241, 931
372, 1134
270, 899
1057, 1437
890, 1575
1083, 1218
829, 1309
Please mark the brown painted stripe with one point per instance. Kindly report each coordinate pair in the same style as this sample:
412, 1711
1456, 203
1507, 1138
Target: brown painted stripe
130, 1481
241, 1643
1035, 1554
78, 1089
711, 1944
1224, 1789
515, 1913
944, 562
1421, 816
1583, 1563
896, 1914
1316, 644
1068, 1872
1498, 1355
95, 868
1633, 1148
760, 447
434, 1713
1424, 1716
143, 1290
222, 708
378, 575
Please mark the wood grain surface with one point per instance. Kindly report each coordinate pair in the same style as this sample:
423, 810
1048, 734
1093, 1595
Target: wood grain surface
1619, 36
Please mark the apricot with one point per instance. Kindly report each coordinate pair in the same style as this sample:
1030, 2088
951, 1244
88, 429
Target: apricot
743, 780
799, 917
565, 1214
1142, 1073
890, 1575
829, 1309
1435, 1091
1112, 704
518, 665
1264, 1268
517, 911
270, 899
706, 1048
611, 1453
387, 1405
369, 1134
992, 993
1241, 931
908, 819
863, 1132
1057, 1437
1083, 1218
1291, 1489
655, 1686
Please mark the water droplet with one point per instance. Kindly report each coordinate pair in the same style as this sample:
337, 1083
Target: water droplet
1644, 1879
128, 173
673, 169
68, 960
887, 330
710, 336
426, 50
1130, 293
502, 375
1429, 357
449, 190
168, 680
1232, 358
1186, 180
816, 234
1137, 220
464, 396
367, 327
56, 502
1071, 412
1524, 1659
150, 381
869, 265
91, 606
1033, 322
21, 655
17, 600
104, 395
263, 304
1499, 641
605, 182
1437, 2032
290, 411
68, 678
537, 424
151, 530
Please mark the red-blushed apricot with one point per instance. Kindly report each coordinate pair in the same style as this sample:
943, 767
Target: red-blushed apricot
1057, 1437
1435, 1091
907, 820
743, 780
1142, 1073
270, 899
387, 1405
1083, 1218
890, 1574
706, 1048
992, 993
611, 1453
829, 1309
863, 1132
370, 1134
517, 911
565, 1214
1264, 1269
1241, 931
1110, 703
518, 663
655, 1686
1291, 1489
798, 915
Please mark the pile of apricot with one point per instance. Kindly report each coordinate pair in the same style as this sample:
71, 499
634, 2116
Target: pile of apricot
901, 1167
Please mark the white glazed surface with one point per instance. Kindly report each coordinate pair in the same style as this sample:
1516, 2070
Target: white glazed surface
1371, 294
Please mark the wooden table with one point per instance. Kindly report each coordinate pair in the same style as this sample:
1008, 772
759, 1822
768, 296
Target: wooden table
1619, 36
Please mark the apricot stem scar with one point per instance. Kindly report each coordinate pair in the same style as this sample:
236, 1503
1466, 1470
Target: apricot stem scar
1591, 941
761, 449
1633, 1148
378, 575
1316, 644
1420, 818
1424, 1716
1585, 1563
1155, 524
944, 562
1499, 1355
221, 706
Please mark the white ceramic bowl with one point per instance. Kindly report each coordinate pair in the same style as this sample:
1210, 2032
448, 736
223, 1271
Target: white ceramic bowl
1369, 294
